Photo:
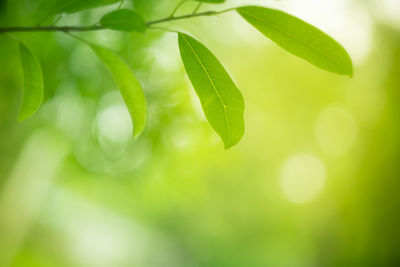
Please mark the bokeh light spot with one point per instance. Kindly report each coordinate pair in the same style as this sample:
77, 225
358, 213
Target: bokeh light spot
114, 123
332, 17
302, 178
336, 131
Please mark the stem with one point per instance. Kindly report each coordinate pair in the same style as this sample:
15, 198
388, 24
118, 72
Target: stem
10, 35
99, 27
163, 29
176, 8
120, 4
78, 38
56, 20
197, 8
207, 13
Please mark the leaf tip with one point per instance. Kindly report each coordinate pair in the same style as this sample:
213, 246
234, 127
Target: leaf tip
136, 134
350, 72
22, 117
231, 143
228, 146
347, 70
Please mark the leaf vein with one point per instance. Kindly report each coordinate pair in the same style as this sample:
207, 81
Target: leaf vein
212, 84
293, 37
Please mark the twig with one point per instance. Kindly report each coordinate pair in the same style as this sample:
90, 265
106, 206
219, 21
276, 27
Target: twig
176, 8
99, 27
120, 4
52, 29
197, 8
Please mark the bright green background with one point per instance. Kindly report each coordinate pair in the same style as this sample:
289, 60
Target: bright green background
75, 190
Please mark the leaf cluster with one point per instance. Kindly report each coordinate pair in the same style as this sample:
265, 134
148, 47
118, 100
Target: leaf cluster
220, 98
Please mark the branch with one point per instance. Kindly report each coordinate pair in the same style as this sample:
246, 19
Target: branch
52, 29
98, 27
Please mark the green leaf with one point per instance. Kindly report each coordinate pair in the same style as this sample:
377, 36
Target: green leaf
33, 83
129, 86
299, 38
211, 1
221, 100
72, 6
124, 20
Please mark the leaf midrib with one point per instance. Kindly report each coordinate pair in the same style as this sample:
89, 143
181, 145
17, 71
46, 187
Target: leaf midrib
212, 84
293, 37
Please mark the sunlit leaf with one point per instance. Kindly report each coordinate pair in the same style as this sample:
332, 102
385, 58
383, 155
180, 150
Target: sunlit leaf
129, 86
124, 20
33, 83
221, 100
299, 38
72, 6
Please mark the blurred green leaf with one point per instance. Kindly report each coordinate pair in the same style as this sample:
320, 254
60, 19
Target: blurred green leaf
299, 38
72, 6
33, 83
124, 20
129, 86
221, 100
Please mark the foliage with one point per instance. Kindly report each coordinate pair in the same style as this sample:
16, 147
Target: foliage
123, 20
77, 190
131, 90
221, 100
305, 41
33, 83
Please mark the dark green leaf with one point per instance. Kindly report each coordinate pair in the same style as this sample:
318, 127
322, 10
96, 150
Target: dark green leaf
124, 20
33, 83
299, 38
72, 6
221, 100
129, 86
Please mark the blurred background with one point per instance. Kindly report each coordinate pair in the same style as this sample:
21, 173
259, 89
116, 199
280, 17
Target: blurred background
314, 181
